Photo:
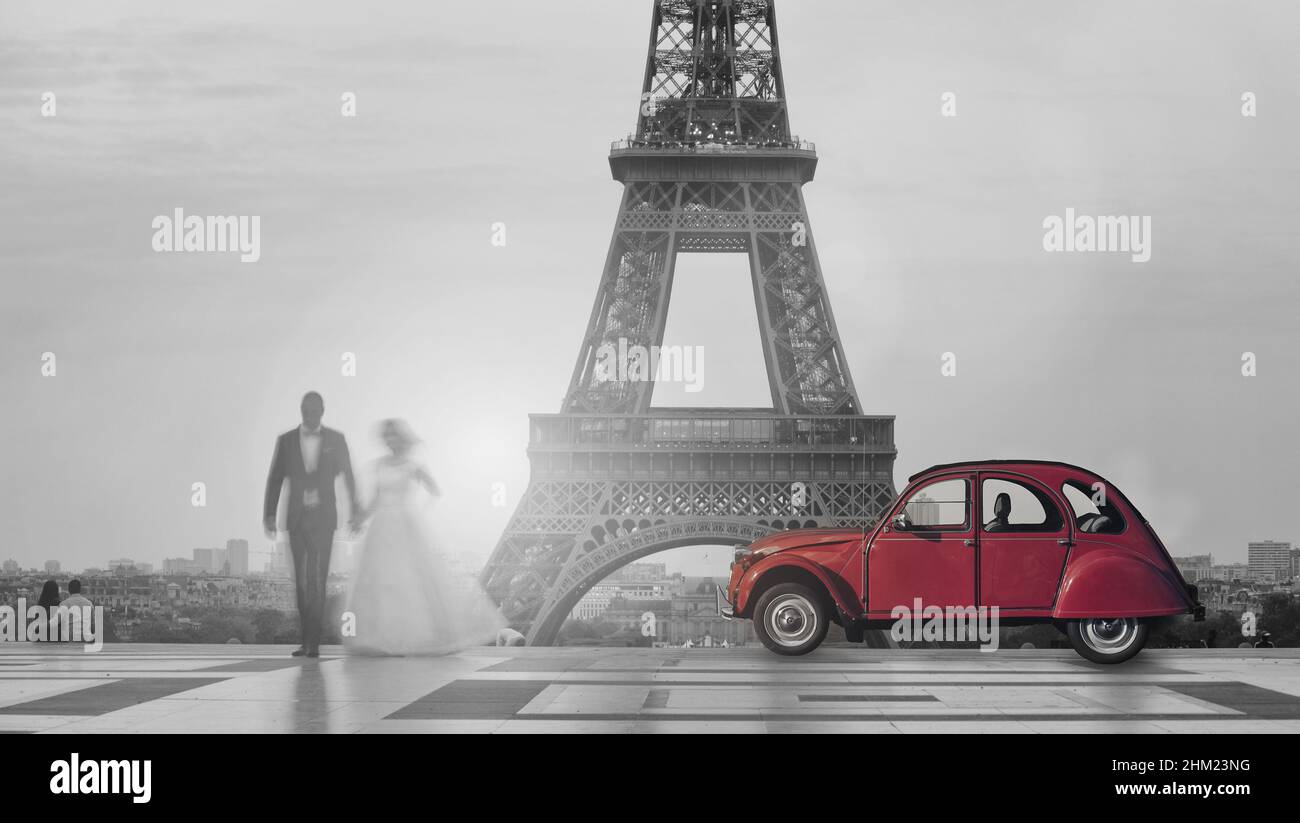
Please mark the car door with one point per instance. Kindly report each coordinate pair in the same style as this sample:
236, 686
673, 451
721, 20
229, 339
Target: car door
1022, 551
932, 556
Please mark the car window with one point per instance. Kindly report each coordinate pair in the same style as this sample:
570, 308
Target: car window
1079, 501
939, 506
1093, 513
1012, 506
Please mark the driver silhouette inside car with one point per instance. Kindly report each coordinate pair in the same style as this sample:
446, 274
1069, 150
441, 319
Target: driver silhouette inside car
1001, 514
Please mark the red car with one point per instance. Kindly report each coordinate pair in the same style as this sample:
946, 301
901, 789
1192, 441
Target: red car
1054, 543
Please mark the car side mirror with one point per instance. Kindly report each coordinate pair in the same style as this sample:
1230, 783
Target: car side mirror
901, 522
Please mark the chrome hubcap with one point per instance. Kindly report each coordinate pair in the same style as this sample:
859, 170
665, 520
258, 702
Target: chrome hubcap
1109, 635
791, 620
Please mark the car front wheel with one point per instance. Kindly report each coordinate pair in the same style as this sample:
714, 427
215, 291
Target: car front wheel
1107, 639
790, 618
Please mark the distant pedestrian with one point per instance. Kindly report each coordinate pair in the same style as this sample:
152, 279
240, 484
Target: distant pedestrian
49, 600
76, 626
75, 598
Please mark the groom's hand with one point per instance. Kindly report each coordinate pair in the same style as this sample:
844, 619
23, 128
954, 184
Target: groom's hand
269, 525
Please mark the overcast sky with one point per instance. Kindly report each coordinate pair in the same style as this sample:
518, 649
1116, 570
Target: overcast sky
375, 239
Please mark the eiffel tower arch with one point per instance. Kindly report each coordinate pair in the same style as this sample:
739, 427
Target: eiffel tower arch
711, 168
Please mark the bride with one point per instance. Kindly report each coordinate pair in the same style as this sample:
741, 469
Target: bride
406, 599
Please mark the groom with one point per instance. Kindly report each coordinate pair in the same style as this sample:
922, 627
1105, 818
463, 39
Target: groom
310, 456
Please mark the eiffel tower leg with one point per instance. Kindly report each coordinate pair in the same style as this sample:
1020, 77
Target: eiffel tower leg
806, 363
538, 542
631, 308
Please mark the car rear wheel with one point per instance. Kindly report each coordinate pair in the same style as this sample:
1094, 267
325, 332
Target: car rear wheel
791, 618
1107, 639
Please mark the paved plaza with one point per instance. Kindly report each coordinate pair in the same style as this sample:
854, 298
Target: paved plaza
134, 688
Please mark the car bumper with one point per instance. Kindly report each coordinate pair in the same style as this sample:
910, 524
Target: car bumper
725, 609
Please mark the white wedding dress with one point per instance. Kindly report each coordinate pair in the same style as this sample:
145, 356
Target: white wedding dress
405, 598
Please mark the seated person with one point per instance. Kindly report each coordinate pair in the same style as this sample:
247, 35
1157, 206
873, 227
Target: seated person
75, 597
40, 627
1106, 521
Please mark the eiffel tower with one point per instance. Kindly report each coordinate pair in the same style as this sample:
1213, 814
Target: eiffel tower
712, 168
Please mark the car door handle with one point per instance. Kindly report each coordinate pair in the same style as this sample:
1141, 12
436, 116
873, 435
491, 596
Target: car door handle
1065, 541
968, 542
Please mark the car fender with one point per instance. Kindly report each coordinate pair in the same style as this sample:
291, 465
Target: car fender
1111, 582
839, 591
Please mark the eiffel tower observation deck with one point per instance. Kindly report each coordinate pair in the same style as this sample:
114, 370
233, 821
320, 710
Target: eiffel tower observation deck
712, 167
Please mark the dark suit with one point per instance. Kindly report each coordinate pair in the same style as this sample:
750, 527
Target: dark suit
312, 517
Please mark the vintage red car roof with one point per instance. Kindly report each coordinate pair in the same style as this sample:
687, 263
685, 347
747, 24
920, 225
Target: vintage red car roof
973, 463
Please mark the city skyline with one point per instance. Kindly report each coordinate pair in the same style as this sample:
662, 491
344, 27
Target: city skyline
701, 560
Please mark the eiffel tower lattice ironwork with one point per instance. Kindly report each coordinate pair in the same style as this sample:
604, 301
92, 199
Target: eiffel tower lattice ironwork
712, 167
